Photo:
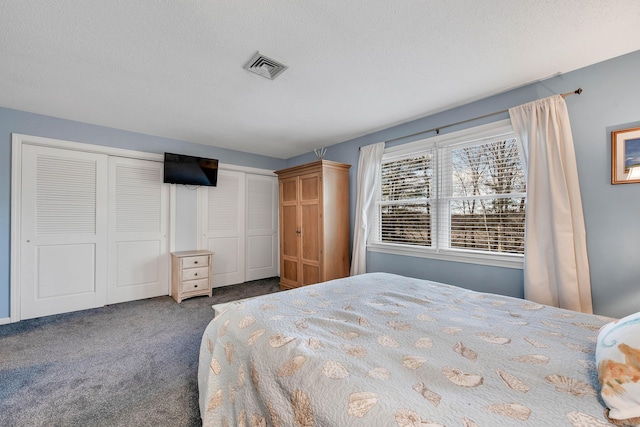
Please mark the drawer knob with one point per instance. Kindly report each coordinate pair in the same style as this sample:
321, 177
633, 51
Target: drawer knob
195, 274
195, 286
195, 262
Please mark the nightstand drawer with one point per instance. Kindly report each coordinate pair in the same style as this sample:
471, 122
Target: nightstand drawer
195, 273
195, 285
195, 261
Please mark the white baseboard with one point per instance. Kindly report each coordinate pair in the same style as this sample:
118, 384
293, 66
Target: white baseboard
5, 320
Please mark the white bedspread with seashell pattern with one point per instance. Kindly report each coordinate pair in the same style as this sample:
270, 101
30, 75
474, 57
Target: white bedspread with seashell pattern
386, 350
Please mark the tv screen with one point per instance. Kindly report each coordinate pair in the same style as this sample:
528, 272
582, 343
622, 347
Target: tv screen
181, 169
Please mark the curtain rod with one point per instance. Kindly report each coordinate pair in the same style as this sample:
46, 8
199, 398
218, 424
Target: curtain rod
437, 129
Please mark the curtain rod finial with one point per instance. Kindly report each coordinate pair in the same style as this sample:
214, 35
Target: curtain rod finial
578, 91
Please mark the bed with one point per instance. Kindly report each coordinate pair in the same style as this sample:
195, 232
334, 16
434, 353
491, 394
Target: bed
386, 350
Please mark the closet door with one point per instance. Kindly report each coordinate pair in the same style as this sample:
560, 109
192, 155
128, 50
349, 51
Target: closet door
138, 226
63, 231
262, 227
223, 227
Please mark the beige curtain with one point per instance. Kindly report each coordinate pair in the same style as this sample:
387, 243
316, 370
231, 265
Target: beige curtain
556, 270
368, 177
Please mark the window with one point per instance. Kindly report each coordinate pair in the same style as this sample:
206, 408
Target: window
405, 206
459, 197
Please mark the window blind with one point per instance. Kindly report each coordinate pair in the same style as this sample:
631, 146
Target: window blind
483, 196
468, 195
405, 208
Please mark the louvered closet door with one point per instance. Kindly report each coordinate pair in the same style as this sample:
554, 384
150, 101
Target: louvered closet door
63, 231
223, 225
138, 222
262, 227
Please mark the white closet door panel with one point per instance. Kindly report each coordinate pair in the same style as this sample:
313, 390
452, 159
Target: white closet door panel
78, 278
260, 255
223, 225
138, 227
262, 227
138, 262
225, 260
63, 231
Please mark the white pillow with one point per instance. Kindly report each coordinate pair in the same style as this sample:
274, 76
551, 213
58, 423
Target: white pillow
618, 361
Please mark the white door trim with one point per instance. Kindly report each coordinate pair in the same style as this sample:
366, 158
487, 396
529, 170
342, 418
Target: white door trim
247, 169
120, 152
16, 226
81, 146
17, 140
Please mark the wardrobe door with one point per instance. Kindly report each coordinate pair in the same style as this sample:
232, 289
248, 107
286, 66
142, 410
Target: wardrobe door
311, 229
222, 216
63, 259
289, 233
262, 227
138, 223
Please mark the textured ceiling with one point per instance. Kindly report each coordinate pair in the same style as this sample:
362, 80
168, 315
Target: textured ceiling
174, 68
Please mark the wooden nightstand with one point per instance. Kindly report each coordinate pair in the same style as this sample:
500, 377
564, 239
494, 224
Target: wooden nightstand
190, 274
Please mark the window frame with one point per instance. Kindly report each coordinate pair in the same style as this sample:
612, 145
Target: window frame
440, 251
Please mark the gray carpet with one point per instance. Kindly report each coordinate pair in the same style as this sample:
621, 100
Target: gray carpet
129, 364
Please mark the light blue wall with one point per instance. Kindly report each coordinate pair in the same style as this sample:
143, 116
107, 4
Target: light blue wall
611, 100
12, 121
612, 212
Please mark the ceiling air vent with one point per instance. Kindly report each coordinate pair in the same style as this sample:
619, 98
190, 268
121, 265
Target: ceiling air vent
265, 67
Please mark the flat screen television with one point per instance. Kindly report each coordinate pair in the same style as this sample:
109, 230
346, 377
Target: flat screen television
190, 170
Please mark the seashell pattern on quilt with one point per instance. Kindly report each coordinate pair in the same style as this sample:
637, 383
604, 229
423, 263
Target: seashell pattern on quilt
386, 350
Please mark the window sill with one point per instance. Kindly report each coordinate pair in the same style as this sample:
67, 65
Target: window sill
482, 258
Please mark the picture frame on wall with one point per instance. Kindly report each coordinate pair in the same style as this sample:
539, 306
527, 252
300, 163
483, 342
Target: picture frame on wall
625, 156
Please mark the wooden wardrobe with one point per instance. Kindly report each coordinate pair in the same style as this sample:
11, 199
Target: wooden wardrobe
314, 223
